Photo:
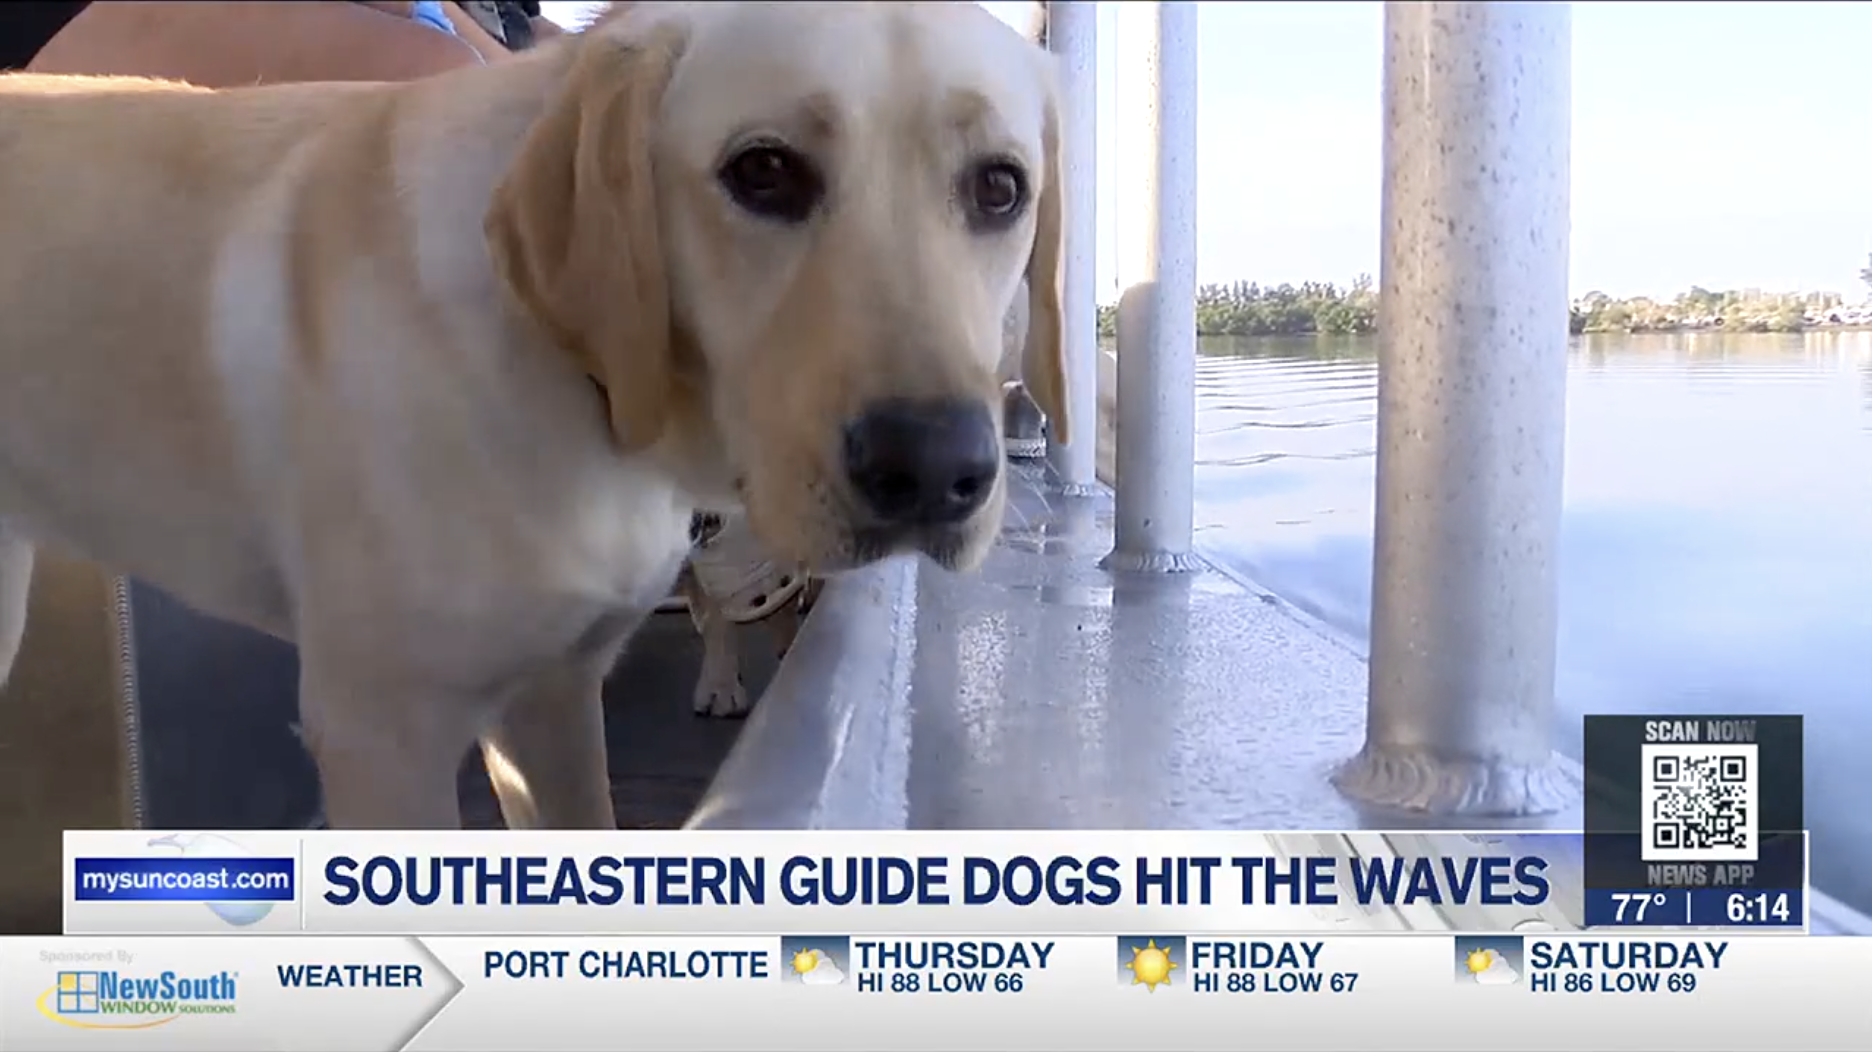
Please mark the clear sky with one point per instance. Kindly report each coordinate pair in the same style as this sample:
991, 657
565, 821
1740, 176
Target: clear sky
1722, 144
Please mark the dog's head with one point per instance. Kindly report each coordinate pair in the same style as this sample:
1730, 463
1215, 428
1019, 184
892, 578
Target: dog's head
804, 223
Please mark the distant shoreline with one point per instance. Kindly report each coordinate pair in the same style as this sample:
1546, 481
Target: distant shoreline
1688, 330
1107, 337
1246, 309
1717, 330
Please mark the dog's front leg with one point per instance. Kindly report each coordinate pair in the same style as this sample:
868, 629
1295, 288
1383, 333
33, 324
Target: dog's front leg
718, 690
546, 758
388, 748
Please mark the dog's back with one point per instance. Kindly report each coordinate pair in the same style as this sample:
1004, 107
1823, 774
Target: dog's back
114, 207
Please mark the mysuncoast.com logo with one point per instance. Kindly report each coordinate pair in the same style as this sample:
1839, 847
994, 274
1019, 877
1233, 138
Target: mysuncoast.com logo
109, 999
203, 868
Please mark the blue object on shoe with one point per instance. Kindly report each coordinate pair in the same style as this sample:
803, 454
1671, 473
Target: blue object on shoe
430, 13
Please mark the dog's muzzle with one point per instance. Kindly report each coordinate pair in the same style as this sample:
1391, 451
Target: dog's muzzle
922, 465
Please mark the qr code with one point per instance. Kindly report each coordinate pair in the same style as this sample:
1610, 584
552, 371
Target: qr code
1699, 803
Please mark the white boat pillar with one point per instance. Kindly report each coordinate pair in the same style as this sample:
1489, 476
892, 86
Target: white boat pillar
1154, 524
1471, 411
1072, 35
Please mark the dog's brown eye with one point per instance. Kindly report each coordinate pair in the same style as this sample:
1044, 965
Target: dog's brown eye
773, 181
994, 193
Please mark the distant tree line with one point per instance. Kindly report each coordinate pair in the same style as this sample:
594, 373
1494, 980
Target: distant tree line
1246, 309
1748, 310
1324, 309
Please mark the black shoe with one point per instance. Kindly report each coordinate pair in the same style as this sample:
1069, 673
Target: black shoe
1025, 424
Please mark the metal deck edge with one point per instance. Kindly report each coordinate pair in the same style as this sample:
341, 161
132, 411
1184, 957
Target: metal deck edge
828, 743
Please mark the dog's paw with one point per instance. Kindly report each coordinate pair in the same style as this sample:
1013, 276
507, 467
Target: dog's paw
722, 699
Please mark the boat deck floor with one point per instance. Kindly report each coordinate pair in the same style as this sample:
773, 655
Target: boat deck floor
216, 723
1053, 694
199, 742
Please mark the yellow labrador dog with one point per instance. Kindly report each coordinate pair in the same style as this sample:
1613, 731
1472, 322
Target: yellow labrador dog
428, 378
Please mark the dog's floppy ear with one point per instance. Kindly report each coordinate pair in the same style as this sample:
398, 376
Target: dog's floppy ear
1044, 364
573, 229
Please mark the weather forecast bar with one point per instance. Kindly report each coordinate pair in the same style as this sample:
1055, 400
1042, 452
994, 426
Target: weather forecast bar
857, 991
183, 879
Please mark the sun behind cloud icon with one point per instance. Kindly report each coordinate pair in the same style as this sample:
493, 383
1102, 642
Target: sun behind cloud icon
1151, 966
816, 968
1490, 968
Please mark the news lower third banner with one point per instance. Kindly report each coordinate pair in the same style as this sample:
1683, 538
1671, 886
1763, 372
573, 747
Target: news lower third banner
1042, 939
774, 883
830, 990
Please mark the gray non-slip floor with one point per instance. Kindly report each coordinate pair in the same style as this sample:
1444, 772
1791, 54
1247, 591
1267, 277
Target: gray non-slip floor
218, 745
218, 706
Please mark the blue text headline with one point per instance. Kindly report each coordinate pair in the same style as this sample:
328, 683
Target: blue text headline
939, 880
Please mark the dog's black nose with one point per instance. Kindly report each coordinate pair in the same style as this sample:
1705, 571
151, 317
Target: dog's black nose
923, 463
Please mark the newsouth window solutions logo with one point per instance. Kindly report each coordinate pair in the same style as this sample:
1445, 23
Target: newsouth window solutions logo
207, 869
115, 999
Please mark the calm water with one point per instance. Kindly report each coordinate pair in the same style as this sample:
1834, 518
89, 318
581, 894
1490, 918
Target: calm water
1716, 551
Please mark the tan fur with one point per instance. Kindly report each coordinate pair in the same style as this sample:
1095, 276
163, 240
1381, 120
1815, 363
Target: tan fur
590, 268
427, 378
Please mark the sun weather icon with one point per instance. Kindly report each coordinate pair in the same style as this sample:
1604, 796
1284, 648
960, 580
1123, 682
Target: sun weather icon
1149, 961
815, 960
1489, 960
